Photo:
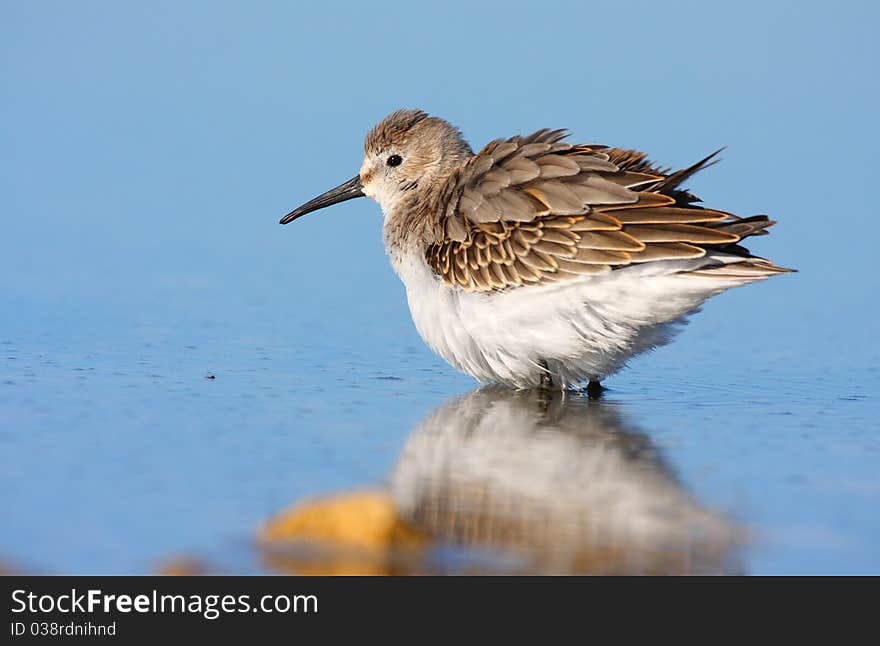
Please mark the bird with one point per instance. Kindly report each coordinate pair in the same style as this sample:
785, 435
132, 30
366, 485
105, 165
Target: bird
537, 263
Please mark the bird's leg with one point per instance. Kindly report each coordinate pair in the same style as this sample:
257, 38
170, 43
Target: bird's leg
546, 378
595, 389
545, 387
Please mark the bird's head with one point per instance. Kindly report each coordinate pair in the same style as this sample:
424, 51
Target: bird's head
404, 153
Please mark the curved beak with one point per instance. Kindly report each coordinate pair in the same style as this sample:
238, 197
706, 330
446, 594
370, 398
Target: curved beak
348, 191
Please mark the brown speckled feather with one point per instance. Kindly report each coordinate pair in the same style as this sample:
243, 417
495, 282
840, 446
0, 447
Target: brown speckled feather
535, 209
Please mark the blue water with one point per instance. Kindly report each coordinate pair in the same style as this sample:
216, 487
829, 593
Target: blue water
149, 152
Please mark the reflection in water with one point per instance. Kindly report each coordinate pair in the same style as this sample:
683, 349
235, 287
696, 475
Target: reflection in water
562, 478
556, 482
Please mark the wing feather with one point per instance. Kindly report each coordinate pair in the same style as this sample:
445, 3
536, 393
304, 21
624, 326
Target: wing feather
535, 209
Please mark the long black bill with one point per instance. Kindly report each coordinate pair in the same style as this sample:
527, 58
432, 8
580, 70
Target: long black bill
348, 191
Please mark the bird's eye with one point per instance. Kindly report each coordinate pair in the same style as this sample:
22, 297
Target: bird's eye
394, 160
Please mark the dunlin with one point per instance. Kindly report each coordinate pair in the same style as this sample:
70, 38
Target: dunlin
541, 263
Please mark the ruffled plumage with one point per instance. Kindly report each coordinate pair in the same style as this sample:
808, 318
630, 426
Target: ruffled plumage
535, 209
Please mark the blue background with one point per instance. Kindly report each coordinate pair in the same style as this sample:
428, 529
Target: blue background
148, 150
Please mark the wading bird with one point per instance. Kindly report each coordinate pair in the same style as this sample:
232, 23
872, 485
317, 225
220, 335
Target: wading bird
540, 263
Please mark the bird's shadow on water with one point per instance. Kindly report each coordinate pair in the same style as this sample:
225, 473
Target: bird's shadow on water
501, 481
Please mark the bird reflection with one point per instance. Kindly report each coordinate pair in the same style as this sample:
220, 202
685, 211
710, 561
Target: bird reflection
535, 482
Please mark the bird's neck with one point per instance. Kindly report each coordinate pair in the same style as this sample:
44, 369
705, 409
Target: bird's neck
408, 229
416, 219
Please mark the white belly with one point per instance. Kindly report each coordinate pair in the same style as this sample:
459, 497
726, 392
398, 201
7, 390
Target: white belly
583, 329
